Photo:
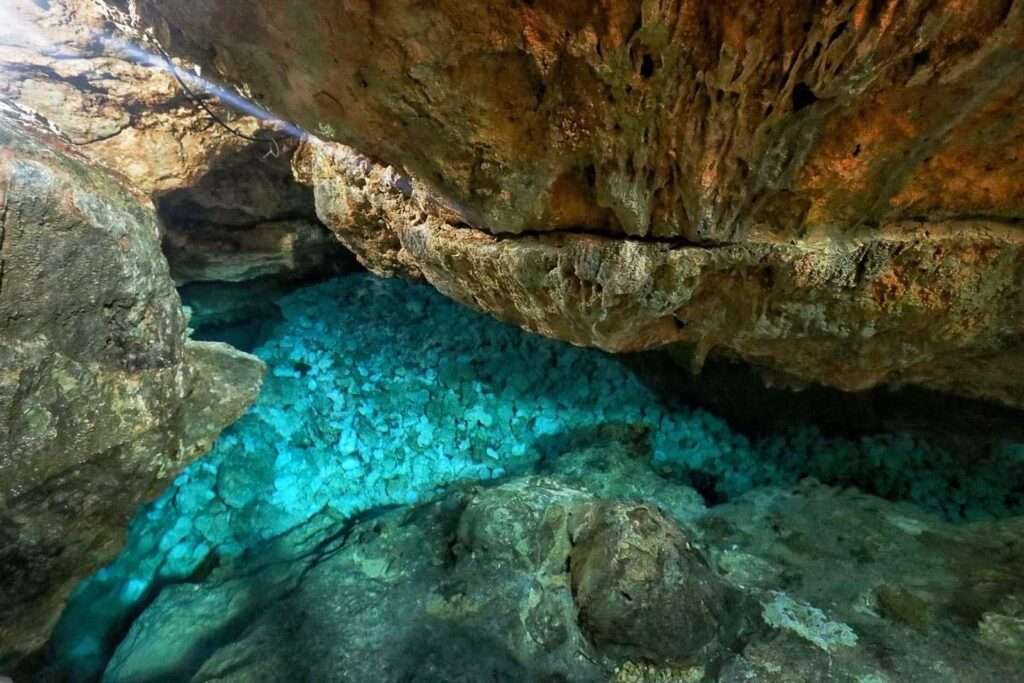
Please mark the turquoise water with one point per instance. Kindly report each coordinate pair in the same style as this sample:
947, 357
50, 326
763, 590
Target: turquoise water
382, 392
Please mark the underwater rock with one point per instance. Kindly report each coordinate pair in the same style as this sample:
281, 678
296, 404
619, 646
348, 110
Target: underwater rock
378, 598
861, 589
475, 582
381, 393
102, 397
832, 191
503, 582
637, 578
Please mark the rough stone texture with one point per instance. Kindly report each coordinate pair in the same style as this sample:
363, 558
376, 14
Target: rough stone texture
133, 119
701, 120
896, 594
892, 308
230, 207
289, 249
882, 306
636, 577
247, 218
363, 203
102, 399
482, 584
802, 184
474, 586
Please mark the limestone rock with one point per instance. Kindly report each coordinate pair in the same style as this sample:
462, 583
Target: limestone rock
288, 249
127, 116
229, 205
247, 218
506, 582
528, 524
102, 398
863, 589
477, 581
637, 578
709, 120
851, 313
832, 191
366, 205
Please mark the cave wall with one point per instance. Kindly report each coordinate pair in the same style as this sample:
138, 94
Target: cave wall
221, 180
102, 396
830, 190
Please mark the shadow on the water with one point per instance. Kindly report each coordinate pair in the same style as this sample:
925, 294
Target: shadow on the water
737, 393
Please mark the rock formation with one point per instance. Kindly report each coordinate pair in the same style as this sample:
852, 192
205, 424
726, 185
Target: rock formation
380, 393
496, 582
248, 218
102, 397
831, 191
229, 206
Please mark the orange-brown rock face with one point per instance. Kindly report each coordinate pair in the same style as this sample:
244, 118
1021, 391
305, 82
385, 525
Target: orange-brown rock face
832, 189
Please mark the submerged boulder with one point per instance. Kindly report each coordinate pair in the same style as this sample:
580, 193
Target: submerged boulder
637, 577
102, 397
829, 190
474, 586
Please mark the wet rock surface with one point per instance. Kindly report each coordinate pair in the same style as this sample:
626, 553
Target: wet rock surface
102, 397
831, 191
510, 582
644, 591
896, 594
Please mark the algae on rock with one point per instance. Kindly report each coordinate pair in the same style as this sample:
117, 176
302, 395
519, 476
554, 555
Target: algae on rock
102, 397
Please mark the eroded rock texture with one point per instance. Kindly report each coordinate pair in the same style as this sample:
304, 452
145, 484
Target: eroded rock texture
229, 206
247, 218
833, 190
102, 399
507, 583
941, 308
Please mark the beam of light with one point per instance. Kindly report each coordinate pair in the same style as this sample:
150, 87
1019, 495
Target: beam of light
197, 83
20, 27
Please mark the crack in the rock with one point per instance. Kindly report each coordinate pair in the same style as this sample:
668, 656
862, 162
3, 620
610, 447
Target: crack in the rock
4, 194
680, 242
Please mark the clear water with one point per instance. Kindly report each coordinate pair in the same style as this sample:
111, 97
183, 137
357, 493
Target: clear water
382, 392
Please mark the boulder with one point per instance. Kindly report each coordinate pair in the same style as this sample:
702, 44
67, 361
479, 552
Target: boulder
637, 578
102, 397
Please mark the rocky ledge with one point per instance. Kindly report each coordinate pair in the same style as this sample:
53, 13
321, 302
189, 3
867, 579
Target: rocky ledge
831, 191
